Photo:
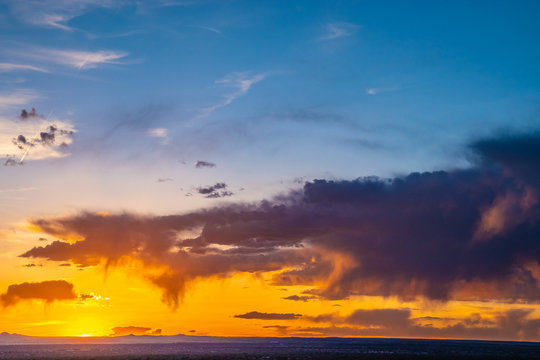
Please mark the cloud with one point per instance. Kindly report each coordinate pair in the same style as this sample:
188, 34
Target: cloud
215, 191
281, 329
241, 81
268, 316
208, 28
303, 298
17, 98
48, 291
34, 137
375, 91
202, 164
74, 58
32, 265
84, 297
130, 330
158, 132
8, 67
54, 13
466, 234
515, 324
55, 21
339, 30
28, 114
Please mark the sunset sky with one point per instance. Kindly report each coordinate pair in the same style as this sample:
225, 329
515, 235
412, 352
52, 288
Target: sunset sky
270, 168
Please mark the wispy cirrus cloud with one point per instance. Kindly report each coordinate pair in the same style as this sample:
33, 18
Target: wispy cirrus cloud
339, 30
9, 67
17, 98
55, 13
55, 21
74, 58
241, 82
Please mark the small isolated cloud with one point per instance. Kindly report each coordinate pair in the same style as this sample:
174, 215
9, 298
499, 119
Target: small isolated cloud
47, 291
268, 316
204, 164
339, 30
156, 332
375, 91
9, 67
84, 297
300, 298
25, 114
215, 191
241, 82
130, 330
160, 180
32, 265
157, 132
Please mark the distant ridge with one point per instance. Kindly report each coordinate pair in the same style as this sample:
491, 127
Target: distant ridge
17, 339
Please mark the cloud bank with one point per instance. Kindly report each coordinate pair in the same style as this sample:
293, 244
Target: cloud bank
469, 234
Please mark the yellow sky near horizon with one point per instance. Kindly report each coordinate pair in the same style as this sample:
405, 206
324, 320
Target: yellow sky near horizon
121, 297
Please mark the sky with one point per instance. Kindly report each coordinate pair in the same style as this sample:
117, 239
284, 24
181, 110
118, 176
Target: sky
270, 168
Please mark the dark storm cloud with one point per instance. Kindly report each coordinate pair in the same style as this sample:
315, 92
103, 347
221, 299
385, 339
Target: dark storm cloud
268, 316
464, 234
515, 324
48, 291
210, 189
204, 164
215, 191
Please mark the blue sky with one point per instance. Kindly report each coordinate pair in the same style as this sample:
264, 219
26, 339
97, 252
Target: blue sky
268, 91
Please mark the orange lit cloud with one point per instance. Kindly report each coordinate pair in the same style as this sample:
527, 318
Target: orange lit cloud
48, 291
